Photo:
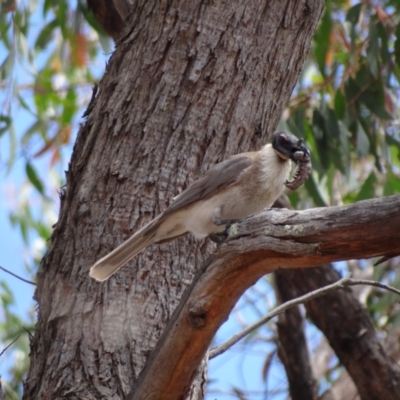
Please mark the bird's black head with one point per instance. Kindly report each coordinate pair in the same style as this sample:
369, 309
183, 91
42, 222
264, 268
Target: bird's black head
288, 146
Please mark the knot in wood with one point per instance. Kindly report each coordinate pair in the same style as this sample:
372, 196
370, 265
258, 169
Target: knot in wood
197, 315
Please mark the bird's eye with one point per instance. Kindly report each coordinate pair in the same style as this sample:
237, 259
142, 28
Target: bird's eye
283, 139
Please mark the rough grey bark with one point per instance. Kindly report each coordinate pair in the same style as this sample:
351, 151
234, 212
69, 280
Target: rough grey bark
189, 84
292, 345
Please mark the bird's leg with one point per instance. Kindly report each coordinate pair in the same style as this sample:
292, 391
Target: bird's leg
220, 237
216, 219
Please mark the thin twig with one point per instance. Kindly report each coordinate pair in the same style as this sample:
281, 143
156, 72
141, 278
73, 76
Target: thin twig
16, 276
344, 282
278, 310
353, 282
384, 258
2, 352
28, 332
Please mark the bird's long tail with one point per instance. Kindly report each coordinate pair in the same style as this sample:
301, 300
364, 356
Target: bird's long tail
109, 264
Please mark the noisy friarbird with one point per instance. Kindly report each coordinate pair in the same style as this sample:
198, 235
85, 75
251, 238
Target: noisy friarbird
232, 190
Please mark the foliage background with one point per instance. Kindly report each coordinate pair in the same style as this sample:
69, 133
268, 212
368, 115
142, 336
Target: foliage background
346, 106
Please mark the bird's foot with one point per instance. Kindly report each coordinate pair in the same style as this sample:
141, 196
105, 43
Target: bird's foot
228, 222
219, 237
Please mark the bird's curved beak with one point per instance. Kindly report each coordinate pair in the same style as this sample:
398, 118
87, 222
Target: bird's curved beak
300, 152
288, 146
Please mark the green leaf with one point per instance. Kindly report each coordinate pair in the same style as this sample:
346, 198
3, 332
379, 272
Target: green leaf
43, 230
384, 48
47, 5
353, 15
345, 148
391, 141
362, 142
334, 133
372, 49
5, 27
6, 295
5, 122
311, 142
312, 189
340, 104
322, 40
294, 198
7, 65
367, 190
392, 184
318, 124
299, 118
321, 138
341, 58
351, 91
294, 128
332, 124
34, 128
397, 45
61, 12
24, 230
46, 35
13, 147
23, 46
34, 178
70, 107
23, 103
370, 91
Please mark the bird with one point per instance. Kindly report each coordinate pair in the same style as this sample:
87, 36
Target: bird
228, 192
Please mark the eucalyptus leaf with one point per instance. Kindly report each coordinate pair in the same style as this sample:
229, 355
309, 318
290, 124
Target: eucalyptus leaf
34, 178
340, 104
353, 15
362, 142
373, 50
312, 189
367, 190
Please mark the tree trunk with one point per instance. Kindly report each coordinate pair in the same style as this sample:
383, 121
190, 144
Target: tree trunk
350, 332
292, 345
190, 83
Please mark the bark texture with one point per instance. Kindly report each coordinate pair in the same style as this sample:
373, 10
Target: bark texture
265, 242
190, 83
292, 345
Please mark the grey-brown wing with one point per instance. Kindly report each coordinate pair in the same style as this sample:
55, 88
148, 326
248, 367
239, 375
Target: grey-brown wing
216, 178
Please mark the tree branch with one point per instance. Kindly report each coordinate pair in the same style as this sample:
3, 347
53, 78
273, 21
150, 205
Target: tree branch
264, 243
278, 310
344, 282
9, 345
17, 276
353, 282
